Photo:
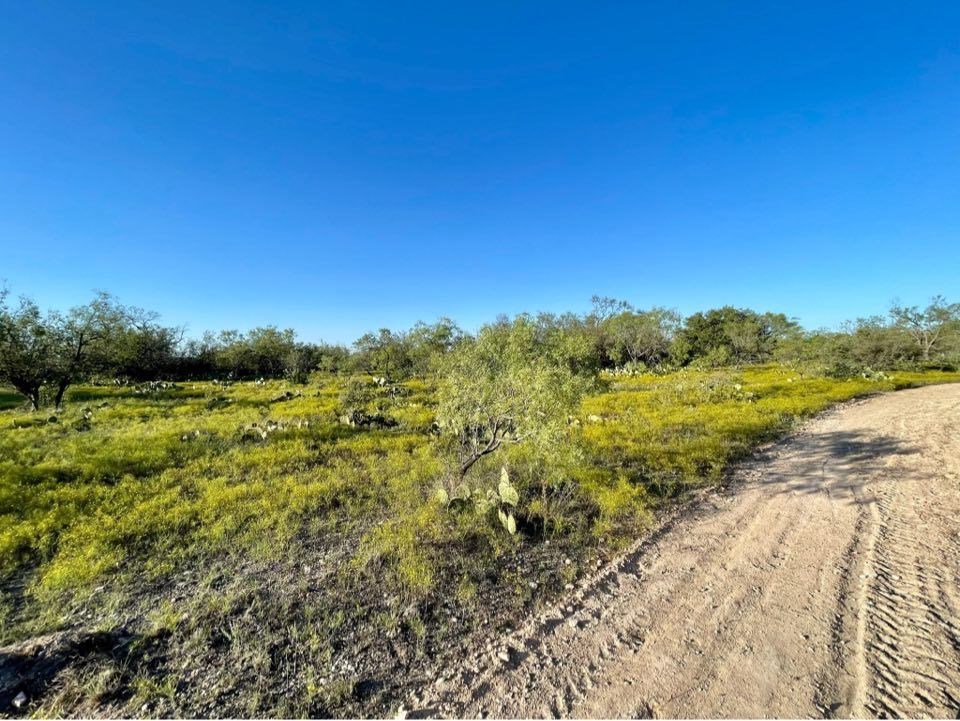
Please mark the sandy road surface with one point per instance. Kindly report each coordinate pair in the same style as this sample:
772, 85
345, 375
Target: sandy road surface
825, 581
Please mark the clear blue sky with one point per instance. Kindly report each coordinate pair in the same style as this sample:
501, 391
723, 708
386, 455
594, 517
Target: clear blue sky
337, 167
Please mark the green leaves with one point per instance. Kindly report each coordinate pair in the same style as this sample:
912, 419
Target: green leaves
500, 390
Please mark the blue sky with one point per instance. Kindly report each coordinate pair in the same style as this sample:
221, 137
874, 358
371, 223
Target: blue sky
337, 167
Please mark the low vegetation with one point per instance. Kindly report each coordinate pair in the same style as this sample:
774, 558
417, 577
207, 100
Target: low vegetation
322, 538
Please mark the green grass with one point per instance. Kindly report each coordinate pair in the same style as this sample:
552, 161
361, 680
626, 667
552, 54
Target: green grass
95, 514
10, 399
682, 429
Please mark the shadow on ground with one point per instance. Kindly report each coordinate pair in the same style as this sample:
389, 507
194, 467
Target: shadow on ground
29, 670
820, 460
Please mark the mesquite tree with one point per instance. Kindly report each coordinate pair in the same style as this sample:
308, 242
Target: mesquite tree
26, 348
84, 334
928, 327
498, 389
52, 350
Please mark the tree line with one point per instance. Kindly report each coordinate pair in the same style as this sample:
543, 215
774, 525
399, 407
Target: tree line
43, 353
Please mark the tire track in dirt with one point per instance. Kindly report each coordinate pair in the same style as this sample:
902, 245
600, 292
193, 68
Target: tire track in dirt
823, 581
913, 639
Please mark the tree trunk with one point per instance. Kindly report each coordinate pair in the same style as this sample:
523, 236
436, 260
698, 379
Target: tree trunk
464, 467
32, 392
493, 445
61, 389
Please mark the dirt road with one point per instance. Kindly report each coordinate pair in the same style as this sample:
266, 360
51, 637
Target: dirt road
824, 581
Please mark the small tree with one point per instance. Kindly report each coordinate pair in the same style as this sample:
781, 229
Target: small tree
871, 343
642, 336
233, 355
142, 349
597, 322
928, 327
605, 307
298, 362
731, 335
269, 350
427, 344
55, 349
569, 340
498, 390
83, 335
332, 358
383, 352
26, 348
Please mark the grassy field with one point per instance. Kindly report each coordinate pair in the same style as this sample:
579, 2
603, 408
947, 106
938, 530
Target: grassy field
237, 549
9, 399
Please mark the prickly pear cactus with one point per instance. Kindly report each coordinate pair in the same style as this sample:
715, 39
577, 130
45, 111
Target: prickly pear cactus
503, 499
